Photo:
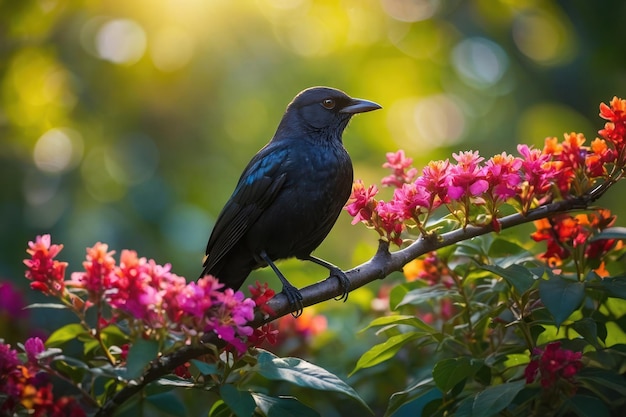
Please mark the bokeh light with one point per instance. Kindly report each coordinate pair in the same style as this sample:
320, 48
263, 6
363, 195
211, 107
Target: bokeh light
410, 10
544, 37
58, 150
479, 62
172, 48
121, 41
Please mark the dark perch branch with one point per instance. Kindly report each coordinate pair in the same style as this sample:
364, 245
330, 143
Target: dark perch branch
381, 265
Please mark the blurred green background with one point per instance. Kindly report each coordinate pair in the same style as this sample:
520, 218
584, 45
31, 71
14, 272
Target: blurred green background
129, 122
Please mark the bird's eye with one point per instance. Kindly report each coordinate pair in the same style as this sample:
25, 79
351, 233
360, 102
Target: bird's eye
329, 103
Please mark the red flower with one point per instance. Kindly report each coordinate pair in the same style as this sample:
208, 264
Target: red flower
615, 129
46, 273
553, 364
99, 267
261, 294
361, 203
564, 232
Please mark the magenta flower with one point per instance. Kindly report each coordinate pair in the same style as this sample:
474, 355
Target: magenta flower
33, 347
195, 299
537, 170
467, 177
12, 301
229, 319
502, 174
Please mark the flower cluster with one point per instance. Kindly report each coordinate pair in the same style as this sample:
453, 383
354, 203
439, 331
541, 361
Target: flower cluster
553, 364
149, 295
28, 388
46, 273
474, 189
568, 235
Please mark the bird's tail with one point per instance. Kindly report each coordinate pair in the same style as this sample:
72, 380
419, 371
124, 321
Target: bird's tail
232, 274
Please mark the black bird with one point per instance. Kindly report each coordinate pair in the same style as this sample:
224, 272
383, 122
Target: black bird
290, 194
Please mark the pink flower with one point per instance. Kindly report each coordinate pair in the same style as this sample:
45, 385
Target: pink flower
409, 199
143, 289
388, 223
46, 273
230, 317
398, 163
434, 180
196, 298
536, 168
361, 203
502, 174
466, 178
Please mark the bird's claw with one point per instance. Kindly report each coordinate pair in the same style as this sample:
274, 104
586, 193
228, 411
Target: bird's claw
344, 282
294, 298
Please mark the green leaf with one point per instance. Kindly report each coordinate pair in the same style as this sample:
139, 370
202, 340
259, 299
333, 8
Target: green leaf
304, 374
561, 296
75, 372
219, 409
282, 406
65, 334
610, 233
449, 372
588, 329
423, 295
174, 382
615, 286
139, 356
504, 248
169, 403
587, 406
401, 319
384, 351
398, 292
55, 306
517, 276
495, 398
421, 388
596, 377
240, 402
205, 368
113, 335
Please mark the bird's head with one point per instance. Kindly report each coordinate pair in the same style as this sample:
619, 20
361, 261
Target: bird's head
323, 109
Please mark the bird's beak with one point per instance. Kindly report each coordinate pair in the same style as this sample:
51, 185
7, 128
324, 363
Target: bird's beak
358, 105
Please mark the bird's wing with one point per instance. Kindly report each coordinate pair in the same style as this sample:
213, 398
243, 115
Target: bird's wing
258, 186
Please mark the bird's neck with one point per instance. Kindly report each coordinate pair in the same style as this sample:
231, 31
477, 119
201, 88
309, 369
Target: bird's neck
328, 136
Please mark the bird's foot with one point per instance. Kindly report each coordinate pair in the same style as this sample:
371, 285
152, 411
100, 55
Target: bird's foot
295, 299
343, 281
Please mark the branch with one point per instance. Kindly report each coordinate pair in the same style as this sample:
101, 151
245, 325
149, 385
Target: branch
380, 266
